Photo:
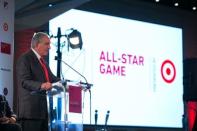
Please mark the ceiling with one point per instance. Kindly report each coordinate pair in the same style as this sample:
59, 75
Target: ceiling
33, 13
186, 5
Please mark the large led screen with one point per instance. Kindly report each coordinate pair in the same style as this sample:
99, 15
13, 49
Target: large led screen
135, 68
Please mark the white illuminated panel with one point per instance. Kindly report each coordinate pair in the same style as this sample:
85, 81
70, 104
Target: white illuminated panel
135, 67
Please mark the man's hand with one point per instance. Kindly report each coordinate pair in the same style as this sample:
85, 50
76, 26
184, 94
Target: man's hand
4, 120
12, 120
46, 86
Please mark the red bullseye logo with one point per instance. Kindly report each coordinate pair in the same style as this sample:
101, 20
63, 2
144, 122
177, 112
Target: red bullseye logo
168, 71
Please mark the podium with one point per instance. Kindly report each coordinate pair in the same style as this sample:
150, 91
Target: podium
65, 108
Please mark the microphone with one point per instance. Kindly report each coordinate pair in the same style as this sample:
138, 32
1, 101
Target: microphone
107, 117
88, 86
96, 116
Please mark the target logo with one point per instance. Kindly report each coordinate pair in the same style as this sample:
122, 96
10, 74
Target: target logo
5, 27
168, 71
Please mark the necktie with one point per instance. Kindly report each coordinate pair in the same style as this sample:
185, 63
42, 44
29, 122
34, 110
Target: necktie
44, 69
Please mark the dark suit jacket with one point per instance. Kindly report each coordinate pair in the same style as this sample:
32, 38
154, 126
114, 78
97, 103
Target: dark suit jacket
5, 109
30, 76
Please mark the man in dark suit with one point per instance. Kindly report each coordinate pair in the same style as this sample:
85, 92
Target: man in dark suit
34, 79
7, 116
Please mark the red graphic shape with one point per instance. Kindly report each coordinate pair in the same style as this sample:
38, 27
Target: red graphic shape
5, 48
168, 71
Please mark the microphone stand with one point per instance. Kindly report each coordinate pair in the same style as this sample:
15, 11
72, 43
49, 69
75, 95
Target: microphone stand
96, 118
59, 60
106, 119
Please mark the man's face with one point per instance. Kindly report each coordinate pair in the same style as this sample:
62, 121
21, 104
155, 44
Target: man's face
43, 46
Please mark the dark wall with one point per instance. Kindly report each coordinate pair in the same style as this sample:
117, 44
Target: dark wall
190, 79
